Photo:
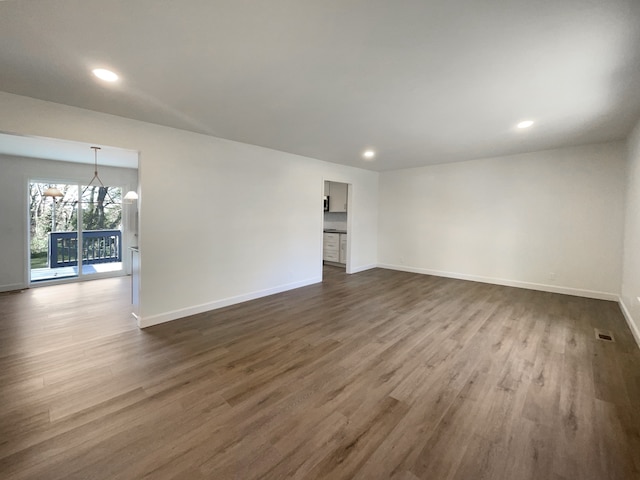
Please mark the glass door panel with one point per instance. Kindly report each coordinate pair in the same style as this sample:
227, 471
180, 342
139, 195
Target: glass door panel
101, 229
53, 249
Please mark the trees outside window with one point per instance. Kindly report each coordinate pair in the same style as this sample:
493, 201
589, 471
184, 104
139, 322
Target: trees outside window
101, 210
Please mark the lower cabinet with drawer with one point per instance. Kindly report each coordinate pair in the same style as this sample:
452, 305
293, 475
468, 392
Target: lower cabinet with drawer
331, 247
334, 248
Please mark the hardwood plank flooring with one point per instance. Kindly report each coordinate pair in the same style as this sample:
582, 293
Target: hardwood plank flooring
377, 375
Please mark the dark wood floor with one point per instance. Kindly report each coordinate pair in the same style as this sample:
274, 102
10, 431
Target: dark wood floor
378, 375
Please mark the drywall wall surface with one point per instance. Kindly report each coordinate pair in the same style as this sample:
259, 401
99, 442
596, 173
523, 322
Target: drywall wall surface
630, 295
550, 220
16, 172
220, 221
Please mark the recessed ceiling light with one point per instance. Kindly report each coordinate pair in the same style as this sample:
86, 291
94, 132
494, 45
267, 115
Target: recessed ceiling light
106, 75
369, 154
525, 124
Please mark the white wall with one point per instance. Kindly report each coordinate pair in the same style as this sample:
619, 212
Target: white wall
220, 221
15, 175
550, 220
631, 271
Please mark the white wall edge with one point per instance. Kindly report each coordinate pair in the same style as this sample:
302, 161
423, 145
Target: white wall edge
627, 316
508, 283
363, 268
12, 286
144, 322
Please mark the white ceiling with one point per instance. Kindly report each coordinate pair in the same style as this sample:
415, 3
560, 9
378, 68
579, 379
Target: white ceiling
420, 81
64, 150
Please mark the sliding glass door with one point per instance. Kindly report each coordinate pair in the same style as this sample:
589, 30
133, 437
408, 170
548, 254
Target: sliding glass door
74, 230
53, 242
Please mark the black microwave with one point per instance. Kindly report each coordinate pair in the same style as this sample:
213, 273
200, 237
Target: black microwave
326, 203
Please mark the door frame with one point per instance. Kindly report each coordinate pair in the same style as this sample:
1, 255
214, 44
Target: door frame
80, 277
348, 267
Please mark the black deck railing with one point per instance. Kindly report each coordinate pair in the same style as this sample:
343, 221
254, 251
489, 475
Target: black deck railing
98, 246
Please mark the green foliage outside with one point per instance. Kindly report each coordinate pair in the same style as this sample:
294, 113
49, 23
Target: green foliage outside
101, 210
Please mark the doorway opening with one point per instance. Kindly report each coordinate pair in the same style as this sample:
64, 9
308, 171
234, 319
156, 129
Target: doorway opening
74, 230
336, 225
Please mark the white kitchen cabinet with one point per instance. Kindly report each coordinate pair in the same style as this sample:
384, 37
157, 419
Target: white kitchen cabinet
334, 248
337, 197
331, 247
343, 248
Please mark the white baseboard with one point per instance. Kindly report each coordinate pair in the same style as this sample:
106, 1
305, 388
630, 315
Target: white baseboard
12, 286
632, 325
362, 268
508, 283
148, 321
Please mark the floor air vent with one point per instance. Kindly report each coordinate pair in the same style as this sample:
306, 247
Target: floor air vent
605, 335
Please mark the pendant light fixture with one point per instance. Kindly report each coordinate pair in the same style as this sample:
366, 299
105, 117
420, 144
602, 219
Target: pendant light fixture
130, 197
52, 192
96, 177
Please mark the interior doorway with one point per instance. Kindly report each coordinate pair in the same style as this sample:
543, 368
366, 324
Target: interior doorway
336, 225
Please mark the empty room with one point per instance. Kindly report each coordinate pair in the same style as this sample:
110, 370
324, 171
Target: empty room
322, 239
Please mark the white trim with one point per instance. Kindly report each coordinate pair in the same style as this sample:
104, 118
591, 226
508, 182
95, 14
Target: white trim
13, 287
87, 277
627, 316
26, 231
349, 268
362, 268
144, 321
508, 283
